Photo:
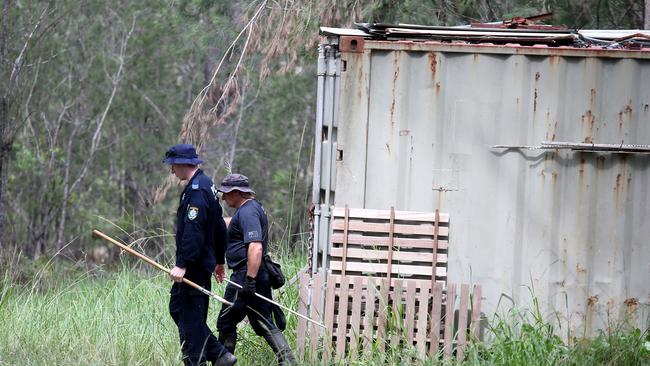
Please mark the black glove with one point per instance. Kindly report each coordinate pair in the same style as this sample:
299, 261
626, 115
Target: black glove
248, 288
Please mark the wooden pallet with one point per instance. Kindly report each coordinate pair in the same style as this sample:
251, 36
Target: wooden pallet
359, 310
389, 243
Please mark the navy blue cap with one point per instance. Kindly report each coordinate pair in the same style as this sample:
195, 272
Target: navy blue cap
182, 154
235, 182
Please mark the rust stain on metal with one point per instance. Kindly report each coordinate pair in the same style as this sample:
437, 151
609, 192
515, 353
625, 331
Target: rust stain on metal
592, 300
620, 121
432, 64
395, 76
475, 57
581, 269
537, 76
437, 87
593, 97
581, 168
535, 101
631, 302
629, 181
628, 108
351, 44
590, 119
622, 174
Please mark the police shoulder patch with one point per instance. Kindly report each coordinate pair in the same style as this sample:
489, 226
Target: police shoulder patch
195, 186
192, 212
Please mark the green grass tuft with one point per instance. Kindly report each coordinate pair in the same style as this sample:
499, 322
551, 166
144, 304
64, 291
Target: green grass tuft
66, 315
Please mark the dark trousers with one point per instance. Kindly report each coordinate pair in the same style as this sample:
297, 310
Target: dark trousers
189, 309
260, 315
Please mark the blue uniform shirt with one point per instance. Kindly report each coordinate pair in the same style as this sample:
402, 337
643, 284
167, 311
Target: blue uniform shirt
200, 230
248, 224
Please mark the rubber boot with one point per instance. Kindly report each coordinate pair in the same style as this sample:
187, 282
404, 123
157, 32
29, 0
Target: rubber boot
279, 344
229, 340
227, 359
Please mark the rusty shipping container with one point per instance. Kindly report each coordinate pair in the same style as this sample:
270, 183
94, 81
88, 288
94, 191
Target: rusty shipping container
413, 124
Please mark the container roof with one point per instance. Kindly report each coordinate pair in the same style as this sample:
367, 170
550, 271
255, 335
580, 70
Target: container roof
512, 32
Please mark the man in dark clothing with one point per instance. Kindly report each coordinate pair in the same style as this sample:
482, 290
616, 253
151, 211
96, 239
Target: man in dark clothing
200, 246
247, 244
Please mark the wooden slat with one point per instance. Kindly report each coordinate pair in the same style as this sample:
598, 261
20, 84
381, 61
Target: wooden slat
355, 319
462, 322
397, 309
382, 241
345, 240
301, 333
410, 309
369, 319
367, 279
381, 310
434, 249
316, 332
378, 227
380, 268
398, 255
449, 320
434, 334
342, 320
391, 243
329, 318
476, 312
384, 214
423, 307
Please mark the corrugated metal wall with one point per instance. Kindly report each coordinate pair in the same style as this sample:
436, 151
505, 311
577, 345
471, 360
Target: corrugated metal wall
416, 123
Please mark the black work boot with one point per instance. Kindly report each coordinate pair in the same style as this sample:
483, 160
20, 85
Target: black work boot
226, 359
229, 340
279, 344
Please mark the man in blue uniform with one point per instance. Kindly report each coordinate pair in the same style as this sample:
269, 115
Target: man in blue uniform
200, 245
247, 244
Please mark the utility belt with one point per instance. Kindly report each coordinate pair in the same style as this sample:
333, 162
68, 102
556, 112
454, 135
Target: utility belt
239, 266
243, 265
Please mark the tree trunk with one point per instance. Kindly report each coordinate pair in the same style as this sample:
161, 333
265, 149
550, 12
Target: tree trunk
4, 116
5, 150
646, 17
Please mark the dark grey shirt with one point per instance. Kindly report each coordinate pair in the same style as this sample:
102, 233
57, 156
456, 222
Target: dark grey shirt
248, 224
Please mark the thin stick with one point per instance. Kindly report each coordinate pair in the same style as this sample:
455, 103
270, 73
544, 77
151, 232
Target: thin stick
190, 283
157, 265
277, 304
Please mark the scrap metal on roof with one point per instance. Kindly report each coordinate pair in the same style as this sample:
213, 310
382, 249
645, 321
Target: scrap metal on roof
516, 31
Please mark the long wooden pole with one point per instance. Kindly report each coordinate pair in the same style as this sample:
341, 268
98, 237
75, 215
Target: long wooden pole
153, 263
190, 283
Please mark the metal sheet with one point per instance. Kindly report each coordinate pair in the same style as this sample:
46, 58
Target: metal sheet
416, 122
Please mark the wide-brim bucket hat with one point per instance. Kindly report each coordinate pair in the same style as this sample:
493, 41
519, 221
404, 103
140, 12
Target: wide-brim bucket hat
182, 154
235, 182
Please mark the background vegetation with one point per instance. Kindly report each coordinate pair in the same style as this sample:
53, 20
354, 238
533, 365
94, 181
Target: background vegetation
93, 92
91, 95
66, 315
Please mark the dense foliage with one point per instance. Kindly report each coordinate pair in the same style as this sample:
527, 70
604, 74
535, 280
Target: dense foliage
92, 93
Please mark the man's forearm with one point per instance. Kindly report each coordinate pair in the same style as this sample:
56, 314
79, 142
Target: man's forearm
254, 258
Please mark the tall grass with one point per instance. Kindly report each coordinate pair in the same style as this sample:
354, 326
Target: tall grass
70, 316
